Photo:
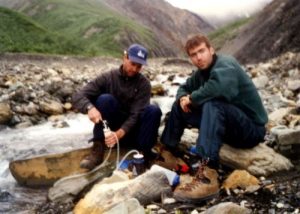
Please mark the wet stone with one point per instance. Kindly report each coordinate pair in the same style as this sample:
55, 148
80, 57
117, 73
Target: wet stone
5, 196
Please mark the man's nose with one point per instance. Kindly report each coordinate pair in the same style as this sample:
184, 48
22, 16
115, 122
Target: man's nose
199, 56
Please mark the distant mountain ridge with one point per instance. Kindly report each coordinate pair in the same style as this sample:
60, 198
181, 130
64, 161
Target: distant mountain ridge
106, 27
169, 23
274, 31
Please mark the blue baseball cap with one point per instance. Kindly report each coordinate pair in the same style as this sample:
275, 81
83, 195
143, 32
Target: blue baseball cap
138, 54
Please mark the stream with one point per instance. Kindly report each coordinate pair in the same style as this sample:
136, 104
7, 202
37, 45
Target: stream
33, 141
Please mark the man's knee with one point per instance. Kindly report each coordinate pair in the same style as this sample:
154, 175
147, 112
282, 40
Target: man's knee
153, 111
104, 98
211, 104
106, 101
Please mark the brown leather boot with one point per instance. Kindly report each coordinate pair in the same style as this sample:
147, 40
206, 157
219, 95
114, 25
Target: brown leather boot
95, 157
204, 185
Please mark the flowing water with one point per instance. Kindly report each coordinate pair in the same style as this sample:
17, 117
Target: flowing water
33, 141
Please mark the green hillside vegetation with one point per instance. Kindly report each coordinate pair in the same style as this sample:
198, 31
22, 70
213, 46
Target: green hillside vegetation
89, 23
230, 31
19, 33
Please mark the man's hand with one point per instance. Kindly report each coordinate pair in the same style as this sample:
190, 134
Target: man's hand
111, 138
94, 115
185, 103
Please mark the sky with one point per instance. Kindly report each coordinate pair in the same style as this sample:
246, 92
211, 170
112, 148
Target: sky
220, 8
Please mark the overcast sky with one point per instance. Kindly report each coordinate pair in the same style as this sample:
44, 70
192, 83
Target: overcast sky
220, 7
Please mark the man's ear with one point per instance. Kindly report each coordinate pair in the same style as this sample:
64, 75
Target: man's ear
125, 55
212, 50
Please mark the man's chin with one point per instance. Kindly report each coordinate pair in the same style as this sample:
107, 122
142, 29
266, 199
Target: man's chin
202, 67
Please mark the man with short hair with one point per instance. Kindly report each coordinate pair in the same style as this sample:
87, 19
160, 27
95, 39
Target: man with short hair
122, 98
221, 100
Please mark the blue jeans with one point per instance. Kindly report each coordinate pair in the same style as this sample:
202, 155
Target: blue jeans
142, 136
218, 123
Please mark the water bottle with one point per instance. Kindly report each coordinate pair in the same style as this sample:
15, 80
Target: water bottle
106, 129
138, 166
172, 176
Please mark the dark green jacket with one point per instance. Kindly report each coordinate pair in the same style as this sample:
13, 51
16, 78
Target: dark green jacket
225, 80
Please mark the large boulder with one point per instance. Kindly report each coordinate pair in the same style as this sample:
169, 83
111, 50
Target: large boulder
107, 194
260, 160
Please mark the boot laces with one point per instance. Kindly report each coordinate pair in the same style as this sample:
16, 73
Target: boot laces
199, 178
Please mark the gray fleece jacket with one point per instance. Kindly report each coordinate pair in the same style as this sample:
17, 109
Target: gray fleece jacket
133, 94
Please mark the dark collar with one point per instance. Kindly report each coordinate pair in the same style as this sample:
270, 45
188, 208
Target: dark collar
206, 71
123, 75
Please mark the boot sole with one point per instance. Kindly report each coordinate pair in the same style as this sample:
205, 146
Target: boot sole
195, 200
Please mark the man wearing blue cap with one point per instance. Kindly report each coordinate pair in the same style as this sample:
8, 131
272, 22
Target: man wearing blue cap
122, 98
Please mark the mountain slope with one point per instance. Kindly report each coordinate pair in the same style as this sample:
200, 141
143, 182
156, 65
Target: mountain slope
19, 33
274, 31
103, 31
106, 30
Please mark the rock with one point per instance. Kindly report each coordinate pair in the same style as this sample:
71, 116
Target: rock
56, 118
294, 85
67, 188
260, 160
52, 72
260, 82
161, 211
128, 206
287, 140
5, 113
277, 115
68, 106
60, 124
286, 136
239, 178
157, 89
227, 208
24, 124
66, 72
5, 196
51, 107
31, 109
145, 188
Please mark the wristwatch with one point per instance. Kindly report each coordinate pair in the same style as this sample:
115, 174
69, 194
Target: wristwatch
89, 106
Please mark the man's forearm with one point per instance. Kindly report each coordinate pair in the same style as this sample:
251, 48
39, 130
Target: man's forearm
120, 133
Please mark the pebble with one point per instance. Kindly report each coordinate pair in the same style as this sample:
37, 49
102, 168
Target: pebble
152, 207
279, 205
243, 203
5, 196
168, 201
194, 212
161, 211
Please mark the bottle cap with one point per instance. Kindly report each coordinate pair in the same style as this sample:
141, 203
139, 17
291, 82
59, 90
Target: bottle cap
138, 156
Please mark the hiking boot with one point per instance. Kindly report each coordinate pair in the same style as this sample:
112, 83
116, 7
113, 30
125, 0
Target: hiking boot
203, 186
95, 157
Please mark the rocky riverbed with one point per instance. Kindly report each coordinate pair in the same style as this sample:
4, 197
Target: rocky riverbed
37, 89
